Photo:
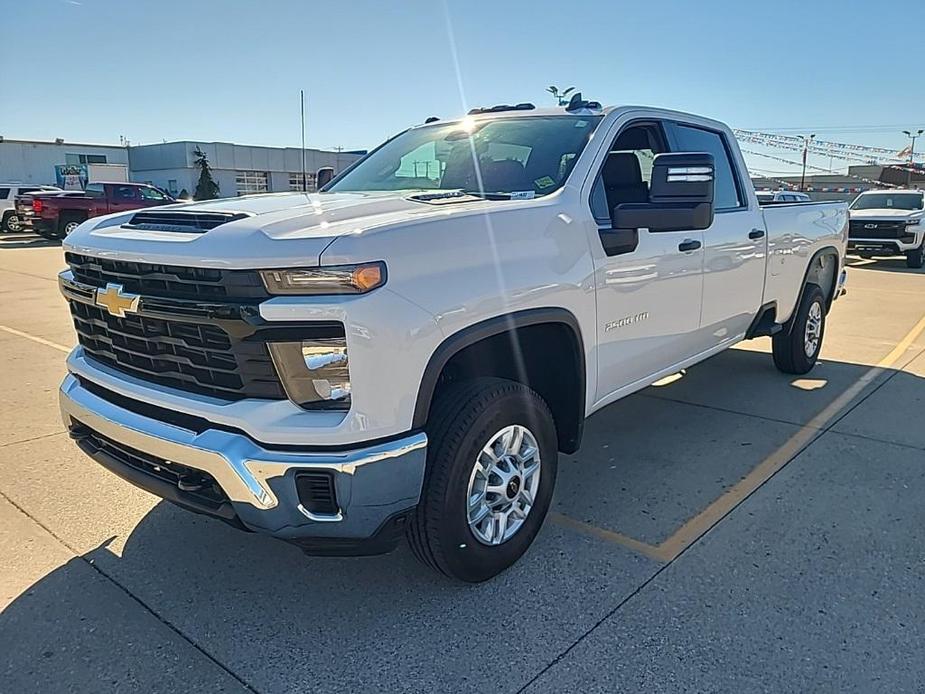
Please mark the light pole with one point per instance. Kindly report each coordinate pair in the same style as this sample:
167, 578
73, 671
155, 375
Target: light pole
806, 141
912, 136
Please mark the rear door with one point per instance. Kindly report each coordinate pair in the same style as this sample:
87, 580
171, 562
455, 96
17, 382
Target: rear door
648, 284
735, 246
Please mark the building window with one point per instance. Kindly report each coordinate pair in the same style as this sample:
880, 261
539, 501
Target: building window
295, 182
172, 186
74, 159
250, 182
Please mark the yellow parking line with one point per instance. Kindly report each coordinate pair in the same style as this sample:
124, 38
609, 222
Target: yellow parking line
693, 529
35, 338
608, 535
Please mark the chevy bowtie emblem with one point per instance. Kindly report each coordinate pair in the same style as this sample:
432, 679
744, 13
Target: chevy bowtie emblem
117, 301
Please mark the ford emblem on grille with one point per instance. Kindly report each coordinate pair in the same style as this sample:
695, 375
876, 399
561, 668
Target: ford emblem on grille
870, 226
116, 300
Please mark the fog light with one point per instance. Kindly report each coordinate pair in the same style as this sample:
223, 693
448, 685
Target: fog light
315, 373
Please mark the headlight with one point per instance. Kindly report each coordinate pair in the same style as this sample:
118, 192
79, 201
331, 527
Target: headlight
913, 222
315, 373
335, 279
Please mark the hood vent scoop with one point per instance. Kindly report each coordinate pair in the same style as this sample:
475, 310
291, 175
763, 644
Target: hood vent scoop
181, 221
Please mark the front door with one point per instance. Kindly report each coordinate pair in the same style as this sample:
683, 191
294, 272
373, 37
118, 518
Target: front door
124, 198
648, 284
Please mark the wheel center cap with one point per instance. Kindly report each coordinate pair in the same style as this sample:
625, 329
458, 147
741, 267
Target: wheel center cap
513, 487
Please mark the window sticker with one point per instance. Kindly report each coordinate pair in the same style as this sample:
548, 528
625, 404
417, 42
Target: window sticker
523, 195
544, 182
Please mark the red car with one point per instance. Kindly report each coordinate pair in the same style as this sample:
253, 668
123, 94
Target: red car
58, 216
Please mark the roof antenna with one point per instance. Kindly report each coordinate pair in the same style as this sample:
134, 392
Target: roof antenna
576, 103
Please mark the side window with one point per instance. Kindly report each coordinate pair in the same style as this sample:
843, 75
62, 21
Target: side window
124, 193
627, 171
4, 193
95, 190
691, 139
152, 194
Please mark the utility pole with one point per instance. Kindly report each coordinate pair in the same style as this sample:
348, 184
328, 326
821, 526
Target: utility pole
806, 141
912, 136
302, 106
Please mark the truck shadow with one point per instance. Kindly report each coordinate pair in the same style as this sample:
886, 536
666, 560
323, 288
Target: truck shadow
9, 241
888, 263
284, 621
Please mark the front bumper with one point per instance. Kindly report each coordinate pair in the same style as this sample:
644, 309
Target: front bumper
908, 241
375, 485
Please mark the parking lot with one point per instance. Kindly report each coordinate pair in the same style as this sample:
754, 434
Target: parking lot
729, 529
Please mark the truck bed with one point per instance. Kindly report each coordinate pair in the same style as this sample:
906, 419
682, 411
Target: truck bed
789, 248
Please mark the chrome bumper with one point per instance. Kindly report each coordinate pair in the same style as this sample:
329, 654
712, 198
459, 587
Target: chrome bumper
372, 483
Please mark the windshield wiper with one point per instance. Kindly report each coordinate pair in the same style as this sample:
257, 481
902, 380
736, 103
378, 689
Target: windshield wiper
487, 195
457, 195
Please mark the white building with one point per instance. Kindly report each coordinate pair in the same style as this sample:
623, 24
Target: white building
238, 169
32, 161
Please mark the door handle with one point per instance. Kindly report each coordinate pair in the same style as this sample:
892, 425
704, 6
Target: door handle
756, 234
689, 245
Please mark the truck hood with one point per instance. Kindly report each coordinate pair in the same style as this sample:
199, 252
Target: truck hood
278, 230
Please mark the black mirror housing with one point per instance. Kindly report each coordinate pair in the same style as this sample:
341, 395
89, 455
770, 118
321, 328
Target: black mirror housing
680, 195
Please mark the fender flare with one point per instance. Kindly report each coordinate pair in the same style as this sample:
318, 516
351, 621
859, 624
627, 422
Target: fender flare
491, 327
825, 250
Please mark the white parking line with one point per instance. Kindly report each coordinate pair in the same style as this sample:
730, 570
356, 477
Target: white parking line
35, 338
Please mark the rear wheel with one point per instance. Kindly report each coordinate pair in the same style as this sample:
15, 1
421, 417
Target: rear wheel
12, 222
796, 348
67, 224
916, 258
491, 468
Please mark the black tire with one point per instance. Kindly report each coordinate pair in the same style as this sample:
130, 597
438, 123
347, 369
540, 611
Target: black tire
11, 219
916, 258
789, 345
462, 422
67, 223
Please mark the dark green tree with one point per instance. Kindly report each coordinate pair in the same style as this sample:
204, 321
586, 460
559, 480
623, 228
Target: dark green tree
206, 188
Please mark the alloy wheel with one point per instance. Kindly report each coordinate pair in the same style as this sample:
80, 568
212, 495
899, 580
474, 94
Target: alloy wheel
813, 331
503, 485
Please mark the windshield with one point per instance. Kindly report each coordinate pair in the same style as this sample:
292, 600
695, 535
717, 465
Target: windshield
884, 201
519, 157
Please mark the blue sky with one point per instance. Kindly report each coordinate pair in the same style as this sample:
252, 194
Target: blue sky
92, 70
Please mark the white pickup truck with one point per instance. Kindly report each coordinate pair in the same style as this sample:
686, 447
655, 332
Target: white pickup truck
408, 351
889, 222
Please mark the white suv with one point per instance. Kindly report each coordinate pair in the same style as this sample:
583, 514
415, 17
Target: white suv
9, 219
889, 222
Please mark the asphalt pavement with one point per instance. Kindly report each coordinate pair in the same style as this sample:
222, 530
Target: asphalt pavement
731, 529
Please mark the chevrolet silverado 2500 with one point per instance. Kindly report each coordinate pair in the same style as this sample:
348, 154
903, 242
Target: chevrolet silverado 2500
407, 351
889, 222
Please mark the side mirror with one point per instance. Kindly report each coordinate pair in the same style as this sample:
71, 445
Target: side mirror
324, 177
680, 196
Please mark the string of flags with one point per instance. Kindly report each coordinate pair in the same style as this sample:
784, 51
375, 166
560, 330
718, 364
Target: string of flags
830, 147
880, 184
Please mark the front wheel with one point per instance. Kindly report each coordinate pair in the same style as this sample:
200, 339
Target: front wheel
796, 348
491, 469
916, 258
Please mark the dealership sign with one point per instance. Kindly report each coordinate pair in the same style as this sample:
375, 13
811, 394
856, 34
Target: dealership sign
71, 176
